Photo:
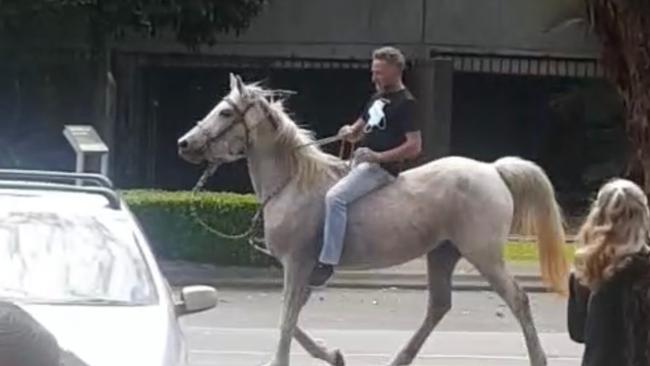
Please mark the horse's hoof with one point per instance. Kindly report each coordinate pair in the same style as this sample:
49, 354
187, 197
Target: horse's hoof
338, 358
274, 363
540, 361
402, 360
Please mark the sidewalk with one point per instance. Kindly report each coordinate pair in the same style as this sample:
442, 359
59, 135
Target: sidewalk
411, 275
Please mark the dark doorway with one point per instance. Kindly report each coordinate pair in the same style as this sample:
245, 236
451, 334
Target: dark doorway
572, 127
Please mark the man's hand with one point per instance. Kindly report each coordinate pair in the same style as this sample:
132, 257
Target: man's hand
346, 132
353, 132
365, 155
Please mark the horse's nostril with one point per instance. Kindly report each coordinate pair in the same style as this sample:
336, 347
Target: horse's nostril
183, 144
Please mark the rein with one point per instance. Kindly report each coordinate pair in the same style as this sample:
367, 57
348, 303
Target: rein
250, 233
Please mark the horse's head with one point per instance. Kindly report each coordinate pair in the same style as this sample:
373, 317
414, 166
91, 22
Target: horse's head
231, 129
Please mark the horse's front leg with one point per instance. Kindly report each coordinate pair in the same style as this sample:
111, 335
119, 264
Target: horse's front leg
296, 292
333, 357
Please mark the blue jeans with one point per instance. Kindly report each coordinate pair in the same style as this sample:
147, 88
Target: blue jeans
362, 179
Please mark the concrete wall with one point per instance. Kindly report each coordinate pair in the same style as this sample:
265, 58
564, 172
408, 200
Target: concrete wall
506, 26
337, 22
350, 29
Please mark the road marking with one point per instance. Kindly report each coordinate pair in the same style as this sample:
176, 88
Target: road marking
423, 356
372, 331
567, 354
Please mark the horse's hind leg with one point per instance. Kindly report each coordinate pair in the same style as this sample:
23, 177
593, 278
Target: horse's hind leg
489, 262
440, 266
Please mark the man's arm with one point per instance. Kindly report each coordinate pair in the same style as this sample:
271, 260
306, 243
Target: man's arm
357, 126
410, 149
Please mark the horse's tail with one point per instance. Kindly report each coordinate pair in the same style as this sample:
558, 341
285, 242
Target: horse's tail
536, 212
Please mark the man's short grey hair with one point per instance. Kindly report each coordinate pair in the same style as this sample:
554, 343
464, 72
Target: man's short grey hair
390, 55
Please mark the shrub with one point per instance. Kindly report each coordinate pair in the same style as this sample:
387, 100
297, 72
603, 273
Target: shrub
166, 218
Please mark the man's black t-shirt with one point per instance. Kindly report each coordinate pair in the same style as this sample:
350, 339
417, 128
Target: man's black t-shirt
398, 119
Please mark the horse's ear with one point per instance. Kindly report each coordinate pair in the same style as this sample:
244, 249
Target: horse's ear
233, 81
241, 87
236, 83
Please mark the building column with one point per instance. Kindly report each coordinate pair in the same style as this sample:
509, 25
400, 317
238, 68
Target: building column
432, 85
129, 130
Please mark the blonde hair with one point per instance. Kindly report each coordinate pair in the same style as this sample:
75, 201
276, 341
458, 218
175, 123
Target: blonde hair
617, 226
390, 55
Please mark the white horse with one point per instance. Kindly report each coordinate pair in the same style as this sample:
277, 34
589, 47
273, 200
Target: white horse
446, 209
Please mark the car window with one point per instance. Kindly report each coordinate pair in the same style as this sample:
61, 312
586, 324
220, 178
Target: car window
72, 258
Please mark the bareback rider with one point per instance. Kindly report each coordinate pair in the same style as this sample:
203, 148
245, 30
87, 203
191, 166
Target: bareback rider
392, 136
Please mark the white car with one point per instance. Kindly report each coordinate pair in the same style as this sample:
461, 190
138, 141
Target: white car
74, 257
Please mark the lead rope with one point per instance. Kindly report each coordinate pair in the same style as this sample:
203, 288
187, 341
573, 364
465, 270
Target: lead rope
249, 234
255, 221
342, 153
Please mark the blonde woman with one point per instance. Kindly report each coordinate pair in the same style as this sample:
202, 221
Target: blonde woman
609, 303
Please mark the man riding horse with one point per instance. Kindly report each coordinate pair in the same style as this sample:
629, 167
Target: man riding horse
436, 210
392, 137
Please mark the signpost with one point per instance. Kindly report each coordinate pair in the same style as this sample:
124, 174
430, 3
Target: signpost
86, 142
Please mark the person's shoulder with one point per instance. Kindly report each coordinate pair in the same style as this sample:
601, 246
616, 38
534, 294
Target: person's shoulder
401, 96
639, 267
408, 95
634, 270
401, 99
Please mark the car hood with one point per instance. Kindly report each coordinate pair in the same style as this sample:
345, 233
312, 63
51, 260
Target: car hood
112, 335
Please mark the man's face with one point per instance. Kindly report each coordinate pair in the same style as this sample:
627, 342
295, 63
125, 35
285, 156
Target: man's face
384, 75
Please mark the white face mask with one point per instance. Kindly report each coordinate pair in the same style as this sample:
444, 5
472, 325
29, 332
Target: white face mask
377, 116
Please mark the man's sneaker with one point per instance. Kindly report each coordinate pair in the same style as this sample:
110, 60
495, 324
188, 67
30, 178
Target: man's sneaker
321, 274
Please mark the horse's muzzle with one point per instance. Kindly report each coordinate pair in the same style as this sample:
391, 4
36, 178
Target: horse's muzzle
189, 154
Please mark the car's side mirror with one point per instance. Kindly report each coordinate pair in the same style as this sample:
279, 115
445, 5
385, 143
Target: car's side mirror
194, 299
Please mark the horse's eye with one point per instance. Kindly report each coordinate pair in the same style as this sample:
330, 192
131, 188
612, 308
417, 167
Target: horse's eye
226, 113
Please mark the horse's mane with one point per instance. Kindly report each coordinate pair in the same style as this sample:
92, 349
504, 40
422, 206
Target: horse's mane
308, 163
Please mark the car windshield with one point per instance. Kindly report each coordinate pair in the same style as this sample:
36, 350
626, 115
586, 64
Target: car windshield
71, 258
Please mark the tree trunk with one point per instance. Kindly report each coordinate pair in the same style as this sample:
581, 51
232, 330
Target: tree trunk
623, 27
638, 115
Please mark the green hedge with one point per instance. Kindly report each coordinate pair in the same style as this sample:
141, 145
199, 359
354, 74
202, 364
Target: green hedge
174, 233
166, 218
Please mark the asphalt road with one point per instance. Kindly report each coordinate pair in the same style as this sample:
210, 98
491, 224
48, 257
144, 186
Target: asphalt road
369, 326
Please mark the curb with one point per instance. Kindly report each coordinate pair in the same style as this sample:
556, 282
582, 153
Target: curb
461, 282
